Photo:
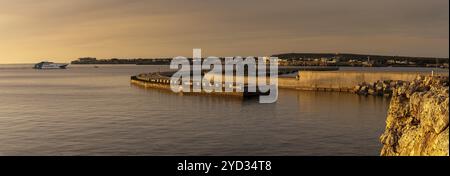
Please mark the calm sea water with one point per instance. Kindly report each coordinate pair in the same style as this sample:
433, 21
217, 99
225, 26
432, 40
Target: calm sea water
95, 111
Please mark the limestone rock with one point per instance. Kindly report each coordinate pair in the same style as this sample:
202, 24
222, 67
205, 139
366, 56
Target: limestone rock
418, 118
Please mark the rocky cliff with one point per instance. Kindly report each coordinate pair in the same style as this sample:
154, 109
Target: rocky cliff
418, 118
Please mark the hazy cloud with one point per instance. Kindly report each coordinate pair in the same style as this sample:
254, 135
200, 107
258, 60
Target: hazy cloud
67, 29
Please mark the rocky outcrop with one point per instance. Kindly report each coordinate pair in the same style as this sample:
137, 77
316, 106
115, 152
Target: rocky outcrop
379, 88
418, 118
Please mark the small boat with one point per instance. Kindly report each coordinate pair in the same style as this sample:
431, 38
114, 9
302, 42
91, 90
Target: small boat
50, 65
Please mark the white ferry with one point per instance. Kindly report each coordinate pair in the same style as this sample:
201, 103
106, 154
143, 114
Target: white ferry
50, 65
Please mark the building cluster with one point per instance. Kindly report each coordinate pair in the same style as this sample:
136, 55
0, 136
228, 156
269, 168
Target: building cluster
354, 60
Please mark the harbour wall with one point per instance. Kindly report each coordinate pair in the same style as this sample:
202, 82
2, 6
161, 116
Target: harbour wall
340, 81
343, 81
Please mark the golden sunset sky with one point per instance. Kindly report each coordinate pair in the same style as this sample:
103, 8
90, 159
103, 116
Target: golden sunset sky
64, 30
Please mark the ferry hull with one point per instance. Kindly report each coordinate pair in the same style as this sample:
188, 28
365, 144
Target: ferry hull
49, 65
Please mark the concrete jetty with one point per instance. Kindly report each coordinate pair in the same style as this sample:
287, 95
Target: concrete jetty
161, 80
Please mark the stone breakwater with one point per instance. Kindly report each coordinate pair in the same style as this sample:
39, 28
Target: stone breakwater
418, 118
343, 81
379, 88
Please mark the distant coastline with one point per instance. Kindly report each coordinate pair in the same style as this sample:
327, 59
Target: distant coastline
304, 59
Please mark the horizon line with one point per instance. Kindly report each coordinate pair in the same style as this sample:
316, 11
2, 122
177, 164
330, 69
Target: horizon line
337, 53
